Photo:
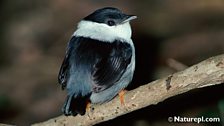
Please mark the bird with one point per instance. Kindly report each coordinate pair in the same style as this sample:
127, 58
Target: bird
99, 60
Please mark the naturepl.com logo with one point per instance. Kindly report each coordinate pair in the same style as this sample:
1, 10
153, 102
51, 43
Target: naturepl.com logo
202, 119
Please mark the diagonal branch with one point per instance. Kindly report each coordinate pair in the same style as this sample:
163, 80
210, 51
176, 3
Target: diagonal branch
207, 73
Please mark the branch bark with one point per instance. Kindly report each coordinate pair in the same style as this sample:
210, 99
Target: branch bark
207, 73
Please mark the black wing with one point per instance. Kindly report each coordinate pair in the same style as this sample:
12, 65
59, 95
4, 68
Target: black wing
63, 73
105, 62
111, 66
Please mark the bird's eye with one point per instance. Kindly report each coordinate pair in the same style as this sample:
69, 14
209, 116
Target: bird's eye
111, 23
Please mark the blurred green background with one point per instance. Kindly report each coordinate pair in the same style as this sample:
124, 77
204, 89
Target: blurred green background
34, 35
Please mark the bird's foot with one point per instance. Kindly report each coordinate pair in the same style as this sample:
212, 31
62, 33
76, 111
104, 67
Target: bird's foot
121, 97
88, 106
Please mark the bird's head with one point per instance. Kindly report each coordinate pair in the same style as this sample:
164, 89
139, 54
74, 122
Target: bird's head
109, 16
106, 24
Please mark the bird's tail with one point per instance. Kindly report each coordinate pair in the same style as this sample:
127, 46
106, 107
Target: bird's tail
75, 105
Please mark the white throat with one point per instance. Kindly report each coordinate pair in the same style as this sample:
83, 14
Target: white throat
103, 32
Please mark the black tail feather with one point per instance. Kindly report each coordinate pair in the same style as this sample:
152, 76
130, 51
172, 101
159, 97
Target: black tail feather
75, 105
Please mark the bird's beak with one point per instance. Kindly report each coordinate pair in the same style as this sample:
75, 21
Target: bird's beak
128, 18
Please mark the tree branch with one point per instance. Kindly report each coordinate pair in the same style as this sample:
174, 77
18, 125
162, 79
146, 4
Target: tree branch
207, 73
